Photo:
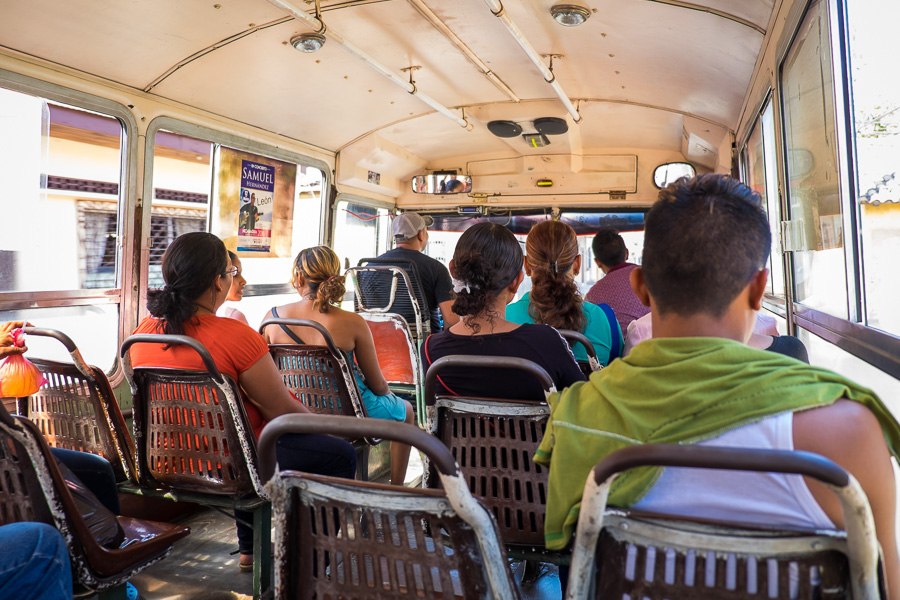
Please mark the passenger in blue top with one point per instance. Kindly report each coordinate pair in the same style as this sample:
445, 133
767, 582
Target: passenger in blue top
552, 260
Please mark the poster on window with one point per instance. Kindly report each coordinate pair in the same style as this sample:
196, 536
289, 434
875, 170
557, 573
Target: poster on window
255, 202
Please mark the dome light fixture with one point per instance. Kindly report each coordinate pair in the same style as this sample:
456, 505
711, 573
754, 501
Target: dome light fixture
308, 42
570, 15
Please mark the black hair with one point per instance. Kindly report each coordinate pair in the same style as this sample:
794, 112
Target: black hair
609, 247
704, 240
190, 266
487, 258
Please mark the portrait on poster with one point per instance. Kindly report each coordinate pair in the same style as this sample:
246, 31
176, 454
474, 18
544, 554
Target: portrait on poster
257, 202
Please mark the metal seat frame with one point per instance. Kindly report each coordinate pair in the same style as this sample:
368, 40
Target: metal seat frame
341, 538
574, 337
77, 410
420, 311
321, 377
740, 562
194, 442
494, 440
34, 490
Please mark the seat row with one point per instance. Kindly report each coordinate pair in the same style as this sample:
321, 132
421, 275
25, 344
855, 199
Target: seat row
193, 443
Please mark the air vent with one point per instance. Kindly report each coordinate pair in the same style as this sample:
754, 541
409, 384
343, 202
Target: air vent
504, 129
536, 140
551, 125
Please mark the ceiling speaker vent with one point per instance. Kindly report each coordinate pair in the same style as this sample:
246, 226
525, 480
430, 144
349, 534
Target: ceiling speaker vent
504, 129
551, 125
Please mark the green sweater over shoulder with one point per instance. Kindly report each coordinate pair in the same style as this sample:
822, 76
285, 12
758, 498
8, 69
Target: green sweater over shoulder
674, 391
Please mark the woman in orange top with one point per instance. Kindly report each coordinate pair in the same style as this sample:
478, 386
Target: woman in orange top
198, 275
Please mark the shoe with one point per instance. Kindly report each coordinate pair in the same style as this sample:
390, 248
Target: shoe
131, 592
245, 562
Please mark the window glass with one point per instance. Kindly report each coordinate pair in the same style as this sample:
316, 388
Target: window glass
265, 210
814, 190
876, 112
360, 231
762, 176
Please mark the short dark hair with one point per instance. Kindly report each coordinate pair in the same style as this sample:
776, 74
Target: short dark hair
704, 240
609, 247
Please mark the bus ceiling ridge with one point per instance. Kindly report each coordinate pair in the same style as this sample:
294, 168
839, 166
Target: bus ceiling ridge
503, 362
165, 338
352, 427
725, 458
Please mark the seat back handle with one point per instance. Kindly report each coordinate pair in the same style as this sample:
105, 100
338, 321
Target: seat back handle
329, 342
455, 361
157, 338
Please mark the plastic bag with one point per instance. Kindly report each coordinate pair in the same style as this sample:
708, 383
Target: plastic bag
18, 376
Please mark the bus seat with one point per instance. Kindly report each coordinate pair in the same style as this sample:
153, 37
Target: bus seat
77, 410
194, 442
321, 378
337, 538
34, 490
593, 363
660, 556
493, 441
398, 356
386, 285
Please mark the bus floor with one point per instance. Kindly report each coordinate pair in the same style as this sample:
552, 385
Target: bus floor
204, 565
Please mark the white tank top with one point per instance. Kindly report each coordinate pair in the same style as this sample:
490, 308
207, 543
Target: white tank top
760, 498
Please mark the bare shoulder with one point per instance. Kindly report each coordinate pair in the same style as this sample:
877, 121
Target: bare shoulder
836, 429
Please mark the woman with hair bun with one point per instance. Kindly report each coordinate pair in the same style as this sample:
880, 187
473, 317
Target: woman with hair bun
317, 278
552, 261
198, 275
487, 271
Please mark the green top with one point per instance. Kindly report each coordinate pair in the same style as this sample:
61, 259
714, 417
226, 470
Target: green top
673, 391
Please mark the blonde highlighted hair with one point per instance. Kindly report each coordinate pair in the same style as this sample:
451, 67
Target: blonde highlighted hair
321, 269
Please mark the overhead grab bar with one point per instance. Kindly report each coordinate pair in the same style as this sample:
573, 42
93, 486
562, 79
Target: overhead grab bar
497, 8
331, 34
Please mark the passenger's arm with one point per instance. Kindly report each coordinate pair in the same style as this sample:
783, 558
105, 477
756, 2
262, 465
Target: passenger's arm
849, 434
266, 391
367, 358
265, 332
450, 318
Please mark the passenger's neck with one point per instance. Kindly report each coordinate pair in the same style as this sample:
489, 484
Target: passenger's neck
731, 327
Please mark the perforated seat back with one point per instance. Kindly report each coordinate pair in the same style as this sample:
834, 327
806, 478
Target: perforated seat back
81, 413
373, 289
21, 495
313, 374
77, 410
187, 434
662, 559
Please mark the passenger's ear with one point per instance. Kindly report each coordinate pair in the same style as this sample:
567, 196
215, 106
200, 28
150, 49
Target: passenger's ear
639, 287
599, 264
576, 266
527, 267
451, 269
514, 286
757, 287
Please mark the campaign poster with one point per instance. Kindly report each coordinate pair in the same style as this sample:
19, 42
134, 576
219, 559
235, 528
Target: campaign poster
255, 203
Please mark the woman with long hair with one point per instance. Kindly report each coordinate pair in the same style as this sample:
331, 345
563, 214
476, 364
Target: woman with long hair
487, 271
317, 278
552, 261
198, 275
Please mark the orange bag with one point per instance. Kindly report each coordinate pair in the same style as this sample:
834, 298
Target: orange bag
18, 376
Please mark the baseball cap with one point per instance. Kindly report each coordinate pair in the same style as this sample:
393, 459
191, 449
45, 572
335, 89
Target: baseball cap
408, 224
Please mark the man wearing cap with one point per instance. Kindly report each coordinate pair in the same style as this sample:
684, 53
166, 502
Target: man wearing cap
410, 236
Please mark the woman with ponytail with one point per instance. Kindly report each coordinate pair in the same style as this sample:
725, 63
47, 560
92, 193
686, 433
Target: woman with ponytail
487, 271
198, 275
552, 261
317, 278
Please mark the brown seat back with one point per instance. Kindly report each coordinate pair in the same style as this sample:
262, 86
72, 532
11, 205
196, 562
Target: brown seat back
192, 431
34, 490
616, 553
77, 410
494, 441
341, 538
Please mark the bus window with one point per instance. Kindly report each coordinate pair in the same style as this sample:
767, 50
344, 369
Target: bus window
876, 112
820, 276
62, 173
761, 174
360, 231
286, 198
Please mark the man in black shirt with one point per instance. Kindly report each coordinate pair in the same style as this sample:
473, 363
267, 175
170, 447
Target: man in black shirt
411, 235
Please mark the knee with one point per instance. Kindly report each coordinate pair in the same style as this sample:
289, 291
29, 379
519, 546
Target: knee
410, 416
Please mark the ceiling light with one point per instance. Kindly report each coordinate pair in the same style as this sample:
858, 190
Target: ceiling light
308, 42
570, 15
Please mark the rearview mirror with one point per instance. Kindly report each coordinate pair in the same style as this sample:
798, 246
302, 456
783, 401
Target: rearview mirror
665, 174
441, 184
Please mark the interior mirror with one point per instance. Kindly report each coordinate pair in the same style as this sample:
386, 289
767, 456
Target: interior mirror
442, 184
669, 172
